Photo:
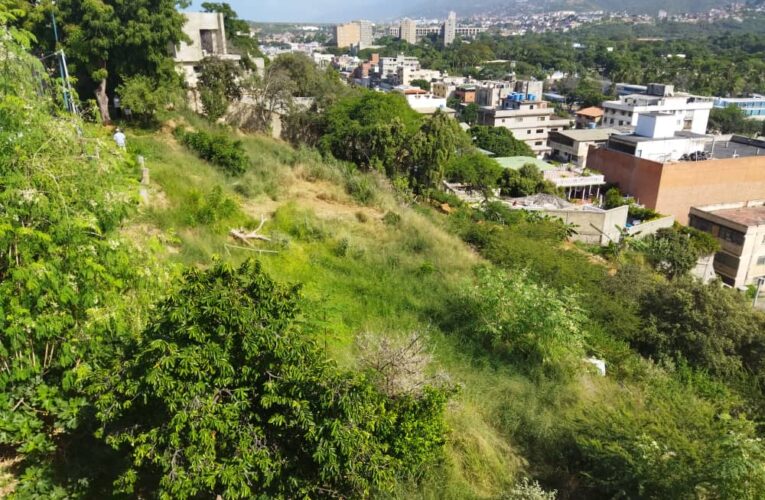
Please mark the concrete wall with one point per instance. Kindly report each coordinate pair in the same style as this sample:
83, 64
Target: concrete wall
673, 188
594, 227
651, 227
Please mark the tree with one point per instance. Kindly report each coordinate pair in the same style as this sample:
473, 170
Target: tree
476, 170
499, 141
223, 395
423, 84
470, 113
674, 251
268, 95
525, 181
108, 41
439, 140
732, 120
218, 86
144, 97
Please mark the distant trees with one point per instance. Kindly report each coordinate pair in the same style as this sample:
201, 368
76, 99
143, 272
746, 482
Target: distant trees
732, 120
469, 113
499, 141
423, 84
674, 251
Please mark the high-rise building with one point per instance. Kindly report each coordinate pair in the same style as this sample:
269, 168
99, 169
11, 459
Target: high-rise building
348, 35
450, 28
408, 31
366, 33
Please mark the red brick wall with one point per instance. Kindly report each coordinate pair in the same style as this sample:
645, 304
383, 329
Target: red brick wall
672, 188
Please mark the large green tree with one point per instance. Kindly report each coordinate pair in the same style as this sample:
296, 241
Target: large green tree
499, 141
107, 41
224, 395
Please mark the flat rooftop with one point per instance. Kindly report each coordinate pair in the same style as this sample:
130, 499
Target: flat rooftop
683, 134
735, 147
588, 134
516, 162
746, 216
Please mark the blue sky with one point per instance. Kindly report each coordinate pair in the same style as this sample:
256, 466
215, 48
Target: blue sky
317, 10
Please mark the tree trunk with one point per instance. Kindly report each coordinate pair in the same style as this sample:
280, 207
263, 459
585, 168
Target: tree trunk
103, 102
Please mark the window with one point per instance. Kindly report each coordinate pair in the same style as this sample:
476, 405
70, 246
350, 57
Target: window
528, 132
761, 260
206, 37
519, 119
542, 118
726, 260
700, 224
540, 130
539, 143
621, 122
728, 234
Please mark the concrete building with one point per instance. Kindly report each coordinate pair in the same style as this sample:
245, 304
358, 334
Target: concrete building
466, 93
589, 117
366, 34
450, 29
530, 120
572, 146
740, 229
405, 75
443, 89
422, 101
408, 31
389, 66
691, 113
734, 170
753, 107
208, 38
348, 35
491, 94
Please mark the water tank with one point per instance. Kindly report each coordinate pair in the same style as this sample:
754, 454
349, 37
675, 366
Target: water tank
532, 97
592, 125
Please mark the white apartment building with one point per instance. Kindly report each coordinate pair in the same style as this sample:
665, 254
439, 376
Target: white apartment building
389, 65
530, 121
656, 139
208, 38
366, 34
691, 113
405, 75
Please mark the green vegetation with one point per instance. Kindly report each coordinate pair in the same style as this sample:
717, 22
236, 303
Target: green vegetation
218, 86
732, 120
499, 141
143, 352
525, 181
217, 148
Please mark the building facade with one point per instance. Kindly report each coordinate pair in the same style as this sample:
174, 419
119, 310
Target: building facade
408, 31
752, 107
572, 146
734, 171
348, 35
207, 36
740, 230
366, 34
450, 29
691, 113
529, 120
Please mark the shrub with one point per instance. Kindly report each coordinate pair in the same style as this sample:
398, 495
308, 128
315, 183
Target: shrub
217, 149
144, 97
392, 219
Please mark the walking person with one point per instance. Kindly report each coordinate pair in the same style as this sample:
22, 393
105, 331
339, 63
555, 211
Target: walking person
120, 139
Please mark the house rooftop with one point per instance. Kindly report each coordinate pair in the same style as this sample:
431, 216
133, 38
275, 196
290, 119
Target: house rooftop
735, 147
591, 112
516, 162
745, 216
588, 134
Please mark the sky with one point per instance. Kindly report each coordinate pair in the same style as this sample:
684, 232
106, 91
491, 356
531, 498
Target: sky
318, 11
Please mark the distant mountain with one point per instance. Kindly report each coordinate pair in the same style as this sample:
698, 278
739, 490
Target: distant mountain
439, 8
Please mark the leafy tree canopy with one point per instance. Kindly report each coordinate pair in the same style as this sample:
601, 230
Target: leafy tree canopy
499, 141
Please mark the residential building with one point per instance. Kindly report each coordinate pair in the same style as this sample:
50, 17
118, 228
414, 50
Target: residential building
348, 35
466, 93
491, 93
530, 120
753, 107
366, 34
443, 89
450, 29
722, 170
405, 75
422, 101
740, 229
207, 36
532, 88
408, 31
691, 112
589, 117
389, 65
572, 146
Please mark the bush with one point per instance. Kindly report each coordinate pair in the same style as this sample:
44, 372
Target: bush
217, 149
392, 219
144, 97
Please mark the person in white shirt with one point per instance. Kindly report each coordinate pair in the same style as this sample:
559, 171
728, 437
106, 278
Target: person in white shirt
120, 139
